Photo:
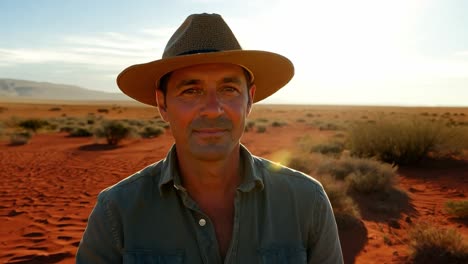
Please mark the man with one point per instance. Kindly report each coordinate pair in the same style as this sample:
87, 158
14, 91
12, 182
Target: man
210, 200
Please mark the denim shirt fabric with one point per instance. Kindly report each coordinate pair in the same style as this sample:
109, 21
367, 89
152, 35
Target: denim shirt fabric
281, 216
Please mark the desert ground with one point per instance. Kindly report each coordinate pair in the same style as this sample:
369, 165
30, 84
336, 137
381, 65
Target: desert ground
49, 185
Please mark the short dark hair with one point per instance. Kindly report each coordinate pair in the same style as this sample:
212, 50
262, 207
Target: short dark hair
165, 80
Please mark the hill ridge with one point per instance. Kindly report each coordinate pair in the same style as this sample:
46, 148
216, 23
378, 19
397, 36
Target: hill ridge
18, 89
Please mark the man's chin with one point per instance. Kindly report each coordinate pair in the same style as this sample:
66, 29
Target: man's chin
211, 152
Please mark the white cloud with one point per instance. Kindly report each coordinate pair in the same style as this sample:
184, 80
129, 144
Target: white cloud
110, 49
164, 33
113, 41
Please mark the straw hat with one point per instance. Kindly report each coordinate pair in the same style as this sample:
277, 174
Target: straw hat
206, 38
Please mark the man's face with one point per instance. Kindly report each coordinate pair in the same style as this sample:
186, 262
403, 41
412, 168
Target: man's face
206, 106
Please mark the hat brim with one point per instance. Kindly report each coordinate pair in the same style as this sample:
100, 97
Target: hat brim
271, 71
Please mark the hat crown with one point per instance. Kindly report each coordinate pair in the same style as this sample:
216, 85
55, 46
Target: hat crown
201, 33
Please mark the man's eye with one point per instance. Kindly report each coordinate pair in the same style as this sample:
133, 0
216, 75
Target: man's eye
229, 89
192, 91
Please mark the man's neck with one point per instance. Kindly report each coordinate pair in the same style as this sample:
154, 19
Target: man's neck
211, 177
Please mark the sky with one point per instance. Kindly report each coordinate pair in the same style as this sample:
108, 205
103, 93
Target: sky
360, 52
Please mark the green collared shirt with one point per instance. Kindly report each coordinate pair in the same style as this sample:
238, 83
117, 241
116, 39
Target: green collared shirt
281, 216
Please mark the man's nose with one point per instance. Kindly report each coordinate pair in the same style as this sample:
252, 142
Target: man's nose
212, 106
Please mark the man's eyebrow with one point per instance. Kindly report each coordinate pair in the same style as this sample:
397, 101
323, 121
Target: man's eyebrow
187, 82
232, 79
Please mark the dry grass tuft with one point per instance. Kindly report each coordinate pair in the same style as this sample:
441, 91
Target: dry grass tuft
431, 244
457, 208
406, 140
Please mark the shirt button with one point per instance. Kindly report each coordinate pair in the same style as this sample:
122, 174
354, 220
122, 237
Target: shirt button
202, 222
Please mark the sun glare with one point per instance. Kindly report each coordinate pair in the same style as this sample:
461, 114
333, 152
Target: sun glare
339, 43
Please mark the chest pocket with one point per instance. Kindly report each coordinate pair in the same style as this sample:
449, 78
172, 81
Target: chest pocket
143, 257
282, 255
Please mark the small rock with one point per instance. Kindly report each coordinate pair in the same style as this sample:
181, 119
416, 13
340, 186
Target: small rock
394, 223
15, 213
408, 220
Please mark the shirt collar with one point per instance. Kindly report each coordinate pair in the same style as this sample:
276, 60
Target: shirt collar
251, 175
170, 173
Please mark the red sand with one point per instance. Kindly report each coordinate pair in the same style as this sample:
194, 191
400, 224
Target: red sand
49, 187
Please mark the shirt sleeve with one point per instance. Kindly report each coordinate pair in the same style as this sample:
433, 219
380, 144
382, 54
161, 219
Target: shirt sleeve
325, 247
101, 241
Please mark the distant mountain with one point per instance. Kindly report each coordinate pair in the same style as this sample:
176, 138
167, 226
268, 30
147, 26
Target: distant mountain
21, 89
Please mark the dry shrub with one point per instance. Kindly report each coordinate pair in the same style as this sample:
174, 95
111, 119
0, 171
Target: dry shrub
261, 129
454, 141
361, 175
249, 126
79, 132
20, 138
114, 131
278, 124
457, 208
135, 122
33, 124
152, 131
344, 208
315, 144
431, 244
406, 140
300, 163
330, 127
329, 148
371, 182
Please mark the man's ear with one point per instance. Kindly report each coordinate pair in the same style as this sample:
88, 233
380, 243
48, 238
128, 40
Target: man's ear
251, 98
162, 108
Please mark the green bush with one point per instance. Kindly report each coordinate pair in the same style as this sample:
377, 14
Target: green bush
20, 138
135, 122
33, 124
261, 129
457, 208
67, 129
152, 131
249, 126
431, 244
278, 124
404, 141
80, 132
114, 131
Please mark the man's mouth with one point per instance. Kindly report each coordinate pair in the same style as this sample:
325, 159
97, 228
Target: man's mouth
210, 132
